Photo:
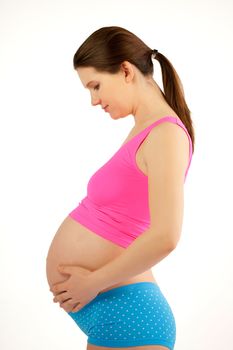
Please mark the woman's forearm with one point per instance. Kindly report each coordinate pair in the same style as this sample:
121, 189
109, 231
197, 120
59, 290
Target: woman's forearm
146, 251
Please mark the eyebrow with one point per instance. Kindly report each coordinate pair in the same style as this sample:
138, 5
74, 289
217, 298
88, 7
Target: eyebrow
88, 84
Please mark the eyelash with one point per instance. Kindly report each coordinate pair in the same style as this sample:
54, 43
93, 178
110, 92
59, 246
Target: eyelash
96, 87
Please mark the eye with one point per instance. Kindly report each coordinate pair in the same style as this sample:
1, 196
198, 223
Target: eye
96, 87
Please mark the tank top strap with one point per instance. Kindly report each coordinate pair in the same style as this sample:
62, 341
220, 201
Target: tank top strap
135, 142
141, 136
179, 122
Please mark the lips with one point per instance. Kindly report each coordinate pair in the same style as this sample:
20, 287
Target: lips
105, 108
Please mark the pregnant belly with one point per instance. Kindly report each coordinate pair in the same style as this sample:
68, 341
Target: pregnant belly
74, 244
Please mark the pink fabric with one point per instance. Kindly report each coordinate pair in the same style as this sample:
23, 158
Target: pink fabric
116, 205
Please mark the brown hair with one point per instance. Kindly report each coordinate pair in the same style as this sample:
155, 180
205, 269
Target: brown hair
105, 50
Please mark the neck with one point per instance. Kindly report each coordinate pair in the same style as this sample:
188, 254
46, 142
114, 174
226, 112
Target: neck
150, 105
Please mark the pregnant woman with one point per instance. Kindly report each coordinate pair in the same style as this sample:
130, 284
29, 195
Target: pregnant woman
131, 217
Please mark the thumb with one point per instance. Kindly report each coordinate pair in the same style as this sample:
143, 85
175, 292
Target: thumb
67, 269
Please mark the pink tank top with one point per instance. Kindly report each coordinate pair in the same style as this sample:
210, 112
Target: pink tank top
116, 206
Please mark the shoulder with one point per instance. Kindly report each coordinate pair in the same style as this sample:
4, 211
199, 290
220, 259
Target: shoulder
166, 156
166, 142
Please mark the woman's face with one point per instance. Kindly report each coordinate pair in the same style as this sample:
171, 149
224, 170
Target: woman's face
112, 90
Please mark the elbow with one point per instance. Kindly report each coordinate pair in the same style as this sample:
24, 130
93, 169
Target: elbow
167, 240
170, 242
171, 246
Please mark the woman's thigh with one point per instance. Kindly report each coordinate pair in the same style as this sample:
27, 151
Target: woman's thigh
134, 315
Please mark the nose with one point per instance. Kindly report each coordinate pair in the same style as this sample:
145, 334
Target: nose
95, 101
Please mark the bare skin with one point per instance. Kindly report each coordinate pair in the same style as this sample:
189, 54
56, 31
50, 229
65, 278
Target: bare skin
126, 93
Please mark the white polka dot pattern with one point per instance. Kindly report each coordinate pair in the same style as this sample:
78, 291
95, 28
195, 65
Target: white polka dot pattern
132, 315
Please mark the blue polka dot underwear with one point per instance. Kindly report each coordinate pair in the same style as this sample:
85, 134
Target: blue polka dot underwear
131, 315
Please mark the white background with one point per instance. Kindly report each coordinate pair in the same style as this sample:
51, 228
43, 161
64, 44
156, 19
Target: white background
46, 120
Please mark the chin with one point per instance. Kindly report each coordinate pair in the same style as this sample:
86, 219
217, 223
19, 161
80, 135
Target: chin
119, 115
122, 115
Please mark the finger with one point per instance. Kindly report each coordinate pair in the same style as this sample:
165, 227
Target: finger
66, 269
59, 287
76, 308
63, 306
61, 297
57, 300
56, 294
66, 306
67, 302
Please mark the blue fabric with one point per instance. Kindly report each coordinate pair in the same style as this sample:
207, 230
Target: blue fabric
131, 315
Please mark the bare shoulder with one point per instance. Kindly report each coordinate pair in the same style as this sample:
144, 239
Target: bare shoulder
166, 140
166, 156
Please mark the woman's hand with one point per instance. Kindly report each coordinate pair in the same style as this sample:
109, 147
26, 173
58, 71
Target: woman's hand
75, 292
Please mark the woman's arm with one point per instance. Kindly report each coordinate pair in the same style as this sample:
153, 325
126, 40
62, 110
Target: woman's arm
166, 153
146, 251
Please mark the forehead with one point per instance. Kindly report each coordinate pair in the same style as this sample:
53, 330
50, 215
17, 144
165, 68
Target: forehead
86, 74
89, 75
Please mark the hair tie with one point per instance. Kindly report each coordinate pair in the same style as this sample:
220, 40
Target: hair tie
154, 53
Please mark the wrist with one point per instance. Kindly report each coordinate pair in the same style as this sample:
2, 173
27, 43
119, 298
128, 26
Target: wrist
96, 279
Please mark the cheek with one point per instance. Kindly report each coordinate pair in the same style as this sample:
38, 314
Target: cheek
119, 102
124, 105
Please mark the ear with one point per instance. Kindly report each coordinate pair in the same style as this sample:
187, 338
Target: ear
128, 70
